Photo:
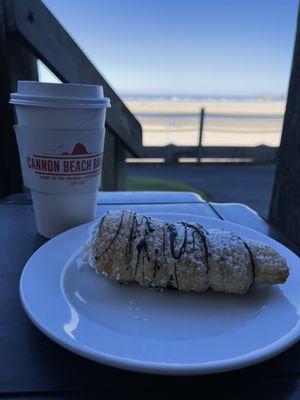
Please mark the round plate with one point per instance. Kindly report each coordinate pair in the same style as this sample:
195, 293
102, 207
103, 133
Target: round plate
164, 332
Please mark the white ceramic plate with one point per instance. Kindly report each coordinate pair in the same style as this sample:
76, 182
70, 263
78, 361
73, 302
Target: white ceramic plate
165, 332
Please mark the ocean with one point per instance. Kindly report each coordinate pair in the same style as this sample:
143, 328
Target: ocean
208, 115
229, 120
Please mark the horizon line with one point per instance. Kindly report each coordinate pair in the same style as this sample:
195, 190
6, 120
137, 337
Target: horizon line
206, 96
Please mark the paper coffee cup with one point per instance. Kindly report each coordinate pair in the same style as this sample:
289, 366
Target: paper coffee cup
54, 213
60, 106
60, 138
63, 169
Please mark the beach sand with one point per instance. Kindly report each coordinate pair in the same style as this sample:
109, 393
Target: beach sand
250, 130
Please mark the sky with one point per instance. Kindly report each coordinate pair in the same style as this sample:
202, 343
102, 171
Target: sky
185, 47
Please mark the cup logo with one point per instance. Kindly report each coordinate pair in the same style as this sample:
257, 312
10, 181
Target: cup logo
56, 161
77, 165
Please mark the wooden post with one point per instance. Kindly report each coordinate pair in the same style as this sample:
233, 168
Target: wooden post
285, 205
113, 173
17, 62
202, 113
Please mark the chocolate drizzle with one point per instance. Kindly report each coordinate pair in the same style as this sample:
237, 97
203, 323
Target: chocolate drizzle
173, 235
175, 249
149, 224
156, 266
117, 233
143, 269
142, 248
130, 240
164, 241
101, 223
201, 232
175, 275
139, 247
166, 251
252, 262
142, 244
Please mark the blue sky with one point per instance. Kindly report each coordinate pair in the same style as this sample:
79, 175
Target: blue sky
186, 47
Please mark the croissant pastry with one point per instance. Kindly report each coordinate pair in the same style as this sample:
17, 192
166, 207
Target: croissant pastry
127, 247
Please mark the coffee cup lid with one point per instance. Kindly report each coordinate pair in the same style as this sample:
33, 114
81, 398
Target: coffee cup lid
62, 95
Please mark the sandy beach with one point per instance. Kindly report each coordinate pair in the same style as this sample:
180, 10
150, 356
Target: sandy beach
227, 123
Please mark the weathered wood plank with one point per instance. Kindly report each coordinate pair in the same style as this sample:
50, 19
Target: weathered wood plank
146, 198
172, 152
202, 209
124, 198
11, 70
108, 170
113, 173
55, 47
120, 165
285, 204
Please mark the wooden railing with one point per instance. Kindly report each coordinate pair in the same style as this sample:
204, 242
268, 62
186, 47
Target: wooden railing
28, 31
171, 153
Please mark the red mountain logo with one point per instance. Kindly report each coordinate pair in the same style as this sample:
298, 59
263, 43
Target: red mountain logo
79, 148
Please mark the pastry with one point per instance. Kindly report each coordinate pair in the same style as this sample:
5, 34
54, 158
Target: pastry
127, 247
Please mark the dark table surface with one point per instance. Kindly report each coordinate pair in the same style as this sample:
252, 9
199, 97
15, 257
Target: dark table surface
32, 366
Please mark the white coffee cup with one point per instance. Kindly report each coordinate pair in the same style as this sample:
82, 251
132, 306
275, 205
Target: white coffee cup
60, 105
60, 136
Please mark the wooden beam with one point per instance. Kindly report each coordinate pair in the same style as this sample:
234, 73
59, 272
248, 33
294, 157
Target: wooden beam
113, 173
285, 204
17, 62
260, 153
54, 46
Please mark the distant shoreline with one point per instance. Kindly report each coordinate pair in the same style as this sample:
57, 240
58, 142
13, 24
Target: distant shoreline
203, 98
236, 108
214, 116
227, 123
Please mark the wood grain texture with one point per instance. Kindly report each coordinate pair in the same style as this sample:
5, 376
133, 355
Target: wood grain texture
54, 46
285, 204
113, 172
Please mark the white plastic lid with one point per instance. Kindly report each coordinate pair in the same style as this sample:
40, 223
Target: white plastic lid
59, 95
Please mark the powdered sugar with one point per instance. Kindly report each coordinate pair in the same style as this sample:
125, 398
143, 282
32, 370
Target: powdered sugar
127, 247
